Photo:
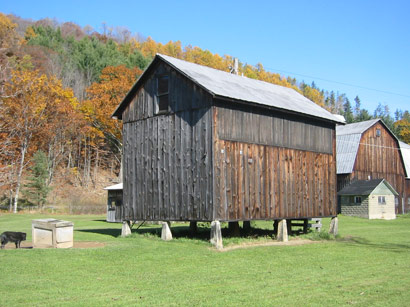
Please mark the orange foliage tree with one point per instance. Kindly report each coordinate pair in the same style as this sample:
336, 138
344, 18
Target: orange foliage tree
103, 97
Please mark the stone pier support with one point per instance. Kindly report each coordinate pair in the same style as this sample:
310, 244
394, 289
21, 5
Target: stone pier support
166, 234
216, 234
282, 231
126, 228
334, 226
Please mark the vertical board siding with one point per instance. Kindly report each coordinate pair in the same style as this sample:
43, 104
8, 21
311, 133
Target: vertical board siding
249, 125
168, 173
258, 181
168, 158
267, 182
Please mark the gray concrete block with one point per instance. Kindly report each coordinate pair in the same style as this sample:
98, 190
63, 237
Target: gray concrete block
166, 234
216, 234
282, 231
126, 229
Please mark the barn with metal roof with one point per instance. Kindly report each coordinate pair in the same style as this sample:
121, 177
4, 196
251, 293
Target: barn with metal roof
369, 150
205, 145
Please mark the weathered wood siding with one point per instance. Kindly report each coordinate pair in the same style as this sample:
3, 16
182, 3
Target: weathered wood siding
379, 157
255, 180
168, 158
257, 126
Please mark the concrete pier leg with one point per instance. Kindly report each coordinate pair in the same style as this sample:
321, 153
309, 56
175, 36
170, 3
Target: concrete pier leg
126, 228
216, 234
166, 234
234, 229
247, 226
282, 231
193, 227
334, 226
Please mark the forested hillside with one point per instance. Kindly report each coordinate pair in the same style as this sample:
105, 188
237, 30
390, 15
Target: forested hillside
60, 83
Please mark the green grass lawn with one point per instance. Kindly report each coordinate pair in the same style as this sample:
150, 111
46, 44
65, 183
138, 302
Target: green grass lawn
368, 265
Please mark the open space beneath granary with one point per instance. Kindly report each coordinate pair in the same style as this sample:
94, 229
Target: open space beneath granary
364, 265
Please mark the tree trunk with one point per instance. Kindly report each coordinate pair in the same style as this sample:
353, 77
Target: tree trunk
11, 201
19, 174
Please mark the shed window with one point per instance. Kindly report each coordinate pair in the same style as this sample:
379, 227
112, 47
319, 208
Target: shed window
408, 200
162, 93
378, 132
357, 199
382, 200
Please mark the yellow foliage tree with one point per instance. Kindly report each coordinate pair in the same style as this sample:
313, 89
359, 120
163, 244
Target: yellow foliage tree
34, 105
8, 36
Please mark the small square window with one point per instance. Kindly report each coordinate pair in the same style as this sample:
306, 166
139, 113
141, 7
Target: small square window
408, 201
357, 199
378, 133
382, 200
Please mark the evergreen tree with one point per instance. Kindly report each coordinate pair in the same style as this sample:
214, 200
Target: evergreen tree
37, 189
363, 115
357, 109
348, 113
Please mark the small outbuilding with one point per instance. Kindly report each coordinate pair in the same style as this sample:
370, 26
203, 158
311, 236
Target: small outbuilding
114, 203
372, 199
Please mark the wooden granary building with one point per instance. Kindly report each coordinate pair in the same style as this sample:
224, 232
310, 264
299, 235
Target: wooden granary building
369, 150
205, 145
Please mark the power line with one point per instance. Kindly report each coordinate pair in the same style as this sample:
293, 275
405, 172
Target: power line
338, 82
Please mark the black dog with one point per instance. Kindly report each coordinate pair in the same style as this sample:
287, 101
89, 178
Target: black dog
12, 236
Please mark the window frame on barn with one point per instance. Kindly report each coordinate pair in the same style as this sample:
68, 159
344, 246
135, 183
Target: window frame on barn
162, 106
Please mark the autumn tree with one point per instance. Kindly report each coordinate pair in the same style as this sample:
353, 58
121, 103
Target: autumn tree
31, 104
103, 98
402, 127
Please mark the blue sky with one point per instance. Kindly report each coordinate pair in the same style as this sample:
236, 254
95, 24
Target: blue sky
363, 47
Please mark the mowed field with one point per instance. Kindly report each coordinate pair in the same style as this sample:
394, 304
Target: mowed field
368, 264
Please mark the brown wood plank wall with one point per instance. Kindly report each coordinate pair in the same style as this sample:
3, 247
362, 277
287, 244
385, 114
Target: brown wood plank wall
266, 182
254, 181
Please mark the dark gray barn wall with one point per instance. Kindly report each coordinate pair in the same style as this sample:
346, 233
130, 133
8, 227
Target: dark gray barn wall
251, 125
168, 158
255, 180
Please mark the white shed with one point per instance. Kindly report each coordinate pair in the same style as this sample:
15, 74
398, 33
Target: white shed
372, 199
114, 203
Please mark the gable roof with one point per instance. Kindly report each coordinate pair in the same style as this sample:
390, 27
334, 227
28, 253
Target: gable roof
347, 143
365, 187
356, 128
224, 85
405, 153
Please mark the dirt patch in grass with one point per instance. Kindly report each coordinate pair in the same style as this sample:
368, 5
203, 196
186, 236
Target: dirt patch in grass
79, 244
294, 242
